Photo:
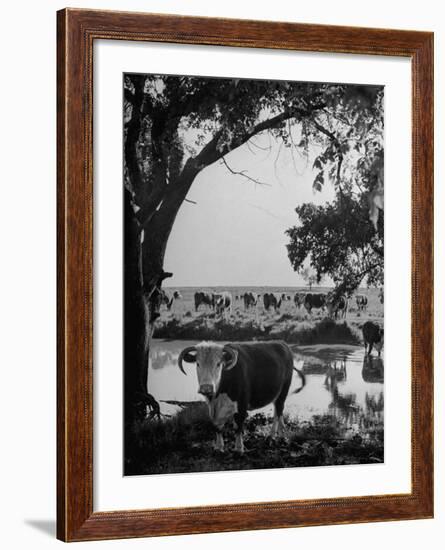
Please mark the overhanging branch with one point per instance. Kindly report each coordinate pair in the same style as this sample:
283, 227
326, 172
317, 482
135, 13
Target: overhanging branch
241, 173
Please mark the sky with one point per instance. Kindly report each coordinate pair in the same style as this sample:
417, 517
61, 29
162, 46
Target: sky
235, 233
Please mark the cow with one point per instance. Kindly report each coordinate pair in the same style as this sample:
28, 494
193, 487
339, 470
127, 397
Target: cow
239, 377
314, 301
223, 303
204, 298
168, 300
299, 299
362, 302
273, 300
337, 304
381, 295
372, 336
250, 300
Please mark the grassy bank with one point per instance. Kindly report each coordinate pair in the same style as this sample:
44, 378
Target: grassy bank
183, 443
244, 328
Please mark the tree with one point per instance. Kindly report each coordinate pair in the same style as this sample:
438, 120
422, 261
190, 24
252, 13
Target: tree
174, 127
310, 277
339, 240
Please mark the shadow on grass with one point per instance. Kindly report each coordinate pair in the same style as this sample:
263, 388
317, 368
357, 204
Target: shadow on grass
183, 443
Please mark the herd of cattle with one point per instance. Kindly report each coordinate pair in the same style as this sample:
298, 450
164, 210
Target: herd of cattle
222, 303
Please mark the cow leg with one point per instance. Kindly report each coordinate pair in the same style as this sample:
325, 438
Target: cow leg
274, 429
219, 441
278, 427
370, 348
281, 428
239, 418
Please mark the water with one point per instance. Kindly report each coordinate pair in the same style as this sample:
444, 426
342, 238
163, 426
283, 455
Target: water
340, 381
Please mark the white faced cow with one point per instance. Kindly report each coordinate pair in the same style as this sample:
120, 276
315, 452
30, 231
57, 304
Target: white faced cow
205, 299
239, 377
168, 299
362, 302
223, 303
299, 299
273, 300
337, 306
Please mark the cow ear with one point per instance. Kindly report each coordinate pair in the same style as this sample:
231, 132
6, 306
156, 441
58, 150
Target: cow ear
230, 357
189, 356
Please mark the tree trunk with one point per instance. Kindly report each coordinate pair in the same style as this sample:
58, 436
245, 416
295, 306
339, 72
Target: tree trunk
136, 340
144, 274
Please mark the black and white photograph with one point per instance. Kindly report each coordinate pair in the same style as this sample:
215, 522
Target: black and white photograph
253, 274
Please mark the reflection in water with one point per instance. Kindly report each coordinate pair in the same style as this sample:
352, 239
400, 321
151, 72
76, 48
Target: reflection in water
343, 406
339, 382
162, 358
372, 369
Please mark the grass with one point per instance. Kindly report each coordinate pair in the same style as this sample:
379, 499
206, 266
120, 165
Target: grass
183, 443
324, 331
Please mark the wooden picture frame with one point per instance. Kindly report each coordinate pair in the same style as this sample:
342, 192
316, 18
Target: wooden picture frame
77, 31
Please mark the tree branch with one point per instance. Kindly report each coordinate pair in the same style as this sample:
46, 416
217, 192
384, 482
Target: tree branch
214, 150
336, 142
242, 173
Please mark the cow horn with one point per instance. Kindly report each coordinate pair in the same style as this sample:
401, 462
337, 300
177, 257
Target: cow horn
184, 356
233, 357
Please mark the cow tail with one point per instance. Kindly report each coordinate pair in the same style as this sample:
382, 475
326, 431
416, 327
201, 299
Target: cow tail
303, 379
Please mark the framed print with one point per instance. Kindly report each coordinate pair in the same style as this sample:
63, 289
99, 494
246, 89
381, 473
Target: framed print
245, 239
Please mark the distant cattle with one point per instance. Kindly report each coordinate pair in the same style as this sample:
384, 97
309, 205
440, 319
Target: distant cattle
204, 298
167, 299
373, 337
273, 300
239, 377
299, 299
362, 302
250, 300
381, 295
314, 301
337, 306
223, 303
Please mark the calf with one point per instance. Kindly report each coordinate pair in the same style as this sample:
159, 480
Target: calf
239, 377
372, 336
